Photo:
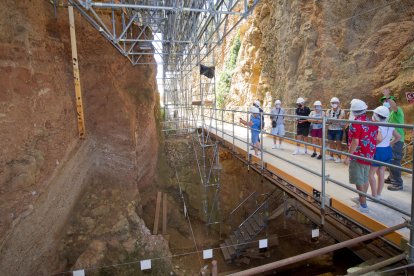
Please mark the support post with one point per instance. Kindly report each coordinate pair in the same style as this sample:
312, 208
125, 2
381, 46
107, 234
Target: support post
411, 249
232, 118
76, 79
222, 124
247, 143
323, 152
261, 143
214, 270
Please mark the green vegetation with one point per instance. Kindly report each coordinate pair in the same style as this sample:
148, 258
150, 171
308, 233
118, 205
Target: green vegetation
224, 83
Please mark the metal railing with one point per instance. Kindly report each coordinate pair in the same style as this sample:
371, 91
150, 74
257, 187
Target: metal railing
221, 128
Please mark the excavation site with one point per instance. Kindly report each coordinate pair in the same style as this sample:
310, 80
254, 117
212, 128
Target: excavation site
206, 137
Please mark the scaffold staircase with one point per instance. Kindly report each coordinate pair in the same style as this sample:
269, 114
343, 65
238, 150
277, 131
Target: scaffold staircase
249, 229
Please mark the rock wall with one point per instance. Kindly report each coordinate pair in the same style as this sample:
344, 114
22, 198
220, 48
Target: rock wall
39, 138
319, 49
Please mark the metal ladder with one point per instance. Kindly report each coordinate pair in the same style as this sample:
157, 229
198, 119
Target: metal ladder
248, 230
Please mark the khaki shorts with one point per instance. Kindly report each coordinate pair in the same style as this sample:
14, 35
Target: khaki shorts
358, 173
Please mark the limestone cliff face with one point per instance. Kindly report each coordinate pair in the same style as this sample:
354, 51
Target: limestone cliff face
44, 167
320, 49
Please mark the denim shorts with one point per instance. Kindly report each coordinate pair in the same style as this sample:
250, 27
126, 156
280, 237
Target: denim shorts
335, 135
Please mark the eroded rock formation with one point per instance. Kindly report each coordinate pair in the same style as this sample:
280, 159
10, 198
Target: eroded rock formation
44, 167
320, 49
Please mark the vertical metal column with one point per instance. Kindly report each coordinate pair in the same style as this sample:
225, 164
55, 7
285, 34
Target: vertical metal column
261, 143
76, 78
323, 194
232, 118
411, 248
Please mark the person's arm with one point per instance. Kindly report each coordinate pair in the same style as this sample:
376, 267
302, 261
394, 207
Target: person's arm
246, 123
393, 105
352, 148
397, 137
379, 137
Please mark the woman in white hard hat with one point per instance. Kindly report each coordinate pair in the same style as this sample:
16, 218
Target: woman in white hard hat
278, 123
335, 129
254, 124
383, 152
302, 128
316, 127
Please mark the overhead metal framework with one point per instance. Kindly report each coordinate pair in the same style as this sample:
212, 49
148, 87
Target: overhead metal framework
180, 31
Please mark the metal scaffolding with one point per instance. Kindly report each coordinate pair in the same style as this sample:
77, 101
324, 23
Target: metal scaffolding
178, 35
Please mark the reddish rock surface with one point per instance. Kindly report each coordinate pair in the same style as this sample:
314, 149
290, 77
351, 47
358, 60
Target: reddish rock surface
39, 138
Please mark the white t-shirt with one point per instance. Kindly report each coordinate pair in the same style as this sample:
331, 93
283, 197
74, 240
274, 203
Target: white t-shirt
338, 114
386, 133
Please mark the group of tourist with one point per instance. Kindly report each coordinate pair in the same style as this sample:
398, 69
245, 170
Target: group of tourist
383, 143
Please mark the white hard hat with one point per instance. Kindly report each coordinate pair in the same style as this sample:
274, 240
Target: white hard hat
358, 105
300, 100
278, 102
254, 109
382, 111
257, 103
334, 100
317, 103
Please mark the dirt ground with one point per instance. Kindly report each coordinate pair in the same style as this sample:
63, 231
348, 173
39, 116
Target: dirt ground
186, 243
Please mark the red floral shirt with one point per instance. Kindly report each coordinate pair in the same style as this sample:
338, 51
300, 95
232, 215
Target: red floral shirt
367, 135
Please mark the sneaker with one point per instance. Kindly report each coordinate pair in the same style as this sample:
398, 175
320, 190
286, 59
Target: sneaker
274, 146
313, 154
296, 152
337, 160
363, 209
395, 187
378, 197
319, 157
303, 152
280, 146
388, 181
328, 158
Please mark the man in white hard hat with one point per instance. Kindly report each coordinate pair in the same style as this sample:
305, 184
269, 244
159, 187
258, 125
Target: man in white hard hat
254, 124
278, 123
335, 129
362, 142
256, 103
396, 117
302, 127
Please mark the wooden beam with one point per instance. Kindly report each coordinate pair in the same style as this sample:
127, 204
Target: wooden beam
157, 214
164, 215
76, 78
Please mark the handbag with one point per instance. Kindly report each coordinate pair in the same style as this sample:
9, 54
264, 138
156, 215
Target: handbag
274, 121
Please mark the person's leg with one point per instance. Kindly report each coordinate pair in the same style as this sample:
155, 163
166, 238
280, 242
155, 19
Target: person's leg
380, 174
306, 139
372, 180
358, 175
314, 141
362, 188
256, 148
331, 142
395, 174
281, 133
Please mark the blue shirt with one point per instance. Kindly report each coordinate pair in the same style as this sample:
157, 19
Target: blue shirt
256, 124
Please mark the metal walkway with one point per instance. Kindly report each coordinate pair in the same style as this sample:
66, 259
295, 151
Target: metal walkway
327, 201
